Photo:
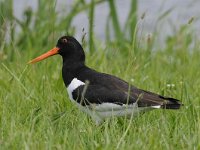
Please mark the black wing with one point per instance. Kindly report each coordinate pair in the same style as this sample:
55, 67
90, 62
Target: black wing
107, 88
146, 98
97, 94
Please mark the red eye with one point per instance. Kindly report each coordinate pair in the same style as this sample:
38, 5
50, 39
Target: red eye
64, 40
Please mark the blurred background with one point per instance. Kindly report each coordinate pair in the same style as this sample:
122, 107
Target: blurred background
159, 14
96, 20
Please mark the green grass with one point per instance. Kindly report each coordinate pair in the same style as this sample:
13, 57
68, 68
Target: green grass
36, 113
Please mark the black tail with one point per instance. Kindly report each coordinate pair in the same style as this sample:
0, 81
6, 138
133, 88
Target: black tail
171, 103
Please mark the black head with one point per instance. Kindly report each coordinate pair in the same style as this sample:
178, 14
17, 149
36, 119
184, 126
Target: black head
70, 48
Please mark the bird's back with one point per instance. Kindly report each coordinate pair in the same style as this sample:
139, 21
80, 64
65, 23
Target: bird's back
113, 83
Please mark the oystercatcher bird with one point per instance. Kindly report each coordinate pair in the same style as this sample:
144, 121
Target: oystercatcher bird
98, 94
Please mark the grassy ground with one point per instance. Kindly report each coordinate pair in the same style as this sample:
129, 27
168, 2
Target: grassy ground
37, 114
35, 111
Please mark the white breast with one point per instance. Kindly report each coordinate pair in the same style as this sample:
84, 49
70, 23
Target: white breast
75, 83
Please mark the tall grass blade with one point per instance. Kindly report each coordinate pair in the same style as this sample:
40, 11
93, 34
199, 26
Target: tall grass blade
91, 26
132, 18
115, 22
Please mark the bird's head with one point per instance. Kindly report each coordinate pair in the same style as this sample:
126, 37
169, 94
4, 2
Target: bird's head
68, 47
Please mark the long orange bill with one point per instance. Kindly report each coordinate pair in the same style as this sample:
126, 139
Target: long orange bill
52, 52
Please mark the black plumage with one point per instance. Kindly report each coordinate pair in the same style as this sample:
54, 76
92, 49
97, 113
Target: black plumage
98, 94
104, 87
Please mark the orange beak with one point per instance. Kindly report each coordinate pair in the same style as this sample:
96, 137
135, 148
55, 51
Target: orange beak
52, 52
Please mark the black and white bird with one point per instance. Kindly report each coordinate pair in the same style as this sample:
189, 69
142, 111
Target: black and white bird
98, 94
